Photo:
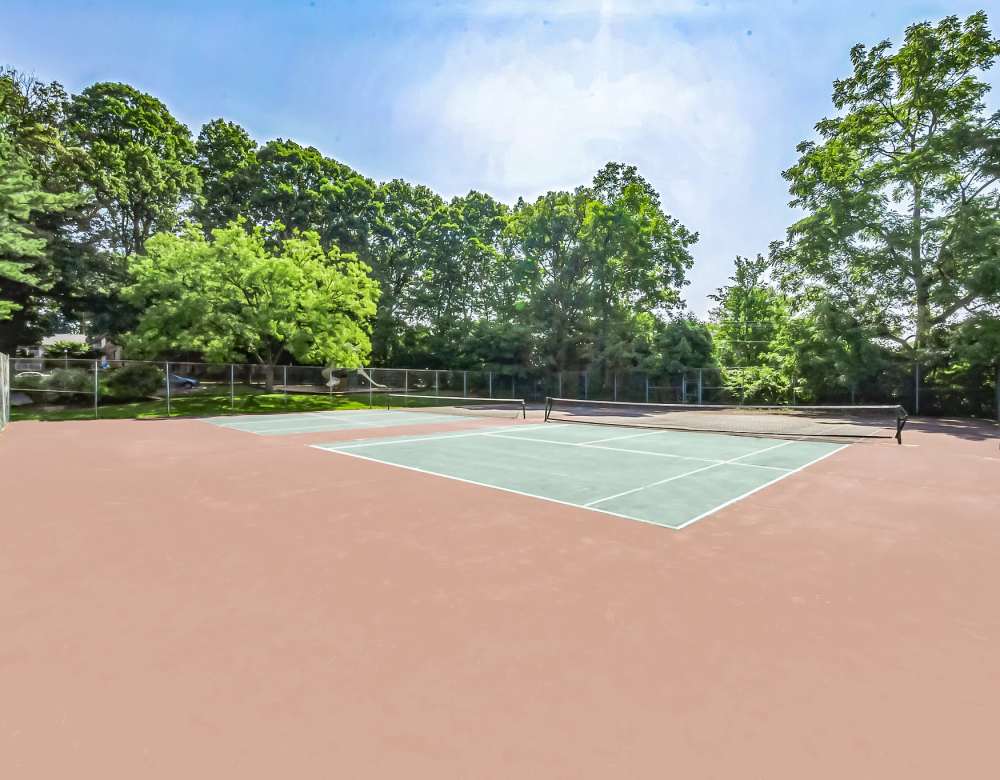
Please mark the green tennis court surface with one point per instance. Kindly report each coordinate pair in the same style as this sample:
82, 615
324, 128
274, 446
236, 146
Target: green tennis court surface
317, 422
668, 478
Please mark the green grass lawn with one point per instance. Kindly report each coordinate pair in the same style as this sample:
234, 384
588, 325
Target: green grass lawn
198, 404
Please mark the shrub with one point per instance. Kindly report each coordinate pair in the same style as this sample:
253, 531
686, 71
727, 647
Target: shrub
78, 381
71, 349
133, 382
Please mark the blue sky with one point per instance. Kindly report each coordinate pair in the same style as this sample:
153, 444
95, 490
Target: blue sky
510, 97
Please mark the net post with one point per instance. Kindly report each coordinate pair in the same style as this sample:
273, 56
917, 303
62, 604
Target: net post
167, 365
901, 418
96, 386
548, 408
996, 410
524, 410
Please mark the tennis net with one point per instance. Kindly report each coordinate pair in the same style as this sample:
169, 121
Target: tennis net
458, 405
822, 422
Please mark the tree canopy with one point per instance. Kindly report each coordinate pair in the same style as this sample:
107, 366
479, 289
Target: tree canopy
231, 295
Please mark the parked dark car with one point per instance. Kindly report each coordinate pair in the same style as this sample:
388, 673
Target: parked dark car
185, 382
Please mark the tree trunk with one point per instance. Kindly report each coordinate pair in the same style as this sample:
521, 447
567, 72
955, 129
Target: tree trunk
269, 377
923, 318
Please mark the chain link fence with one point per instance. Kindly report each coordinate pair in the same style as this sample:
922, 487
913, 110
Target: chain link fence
74, 388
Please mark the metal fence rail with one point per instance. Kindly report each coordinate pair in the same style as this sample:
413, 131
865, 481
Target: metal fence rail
4, 391
174, 387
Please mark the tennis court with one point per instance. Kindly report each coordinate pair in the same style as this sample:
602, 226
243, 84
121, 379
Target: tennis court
667, 478
433, 410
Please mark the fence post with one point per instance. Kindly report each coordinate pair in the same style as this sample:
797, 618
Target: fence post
684, 387
167, 364
646, 376
996, 410
284, 383
560, 384
232, 387
490, 374
916, 388
406, 380
513, 385
371, 376
700, 372
586, 385
437, 390
614, 384
96, 390
465, 384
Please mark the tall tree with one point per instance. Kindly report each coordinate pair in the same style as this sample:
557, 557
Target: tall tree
141, 163
228, 166
232, 295
901, 189
398, 258
30, 211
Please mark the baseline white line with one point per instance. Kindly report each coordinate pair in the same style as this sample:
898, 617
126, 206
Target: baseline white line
731, 461
495, 487
723, 505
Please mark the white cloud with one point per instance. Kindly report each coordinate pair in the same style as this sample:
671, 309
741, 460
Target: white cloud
521, 114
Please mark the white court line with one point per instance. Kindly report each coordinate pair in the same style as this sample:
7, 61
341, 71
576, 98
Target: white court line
627, 436
585, 445
647, 521
740, 497
432, 437
689, 473
492, 487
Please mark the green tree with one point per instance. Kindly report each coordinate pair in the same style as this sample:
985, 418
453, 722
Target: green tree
398, 258
32, 117
228, 166
681, 343
596, 257
232, 295
141, 163
901, 189
21, 245
749, 314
